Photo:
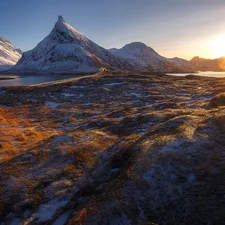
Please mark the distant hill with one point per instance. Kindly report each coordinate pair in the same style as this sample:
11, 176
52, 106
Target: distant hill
146, 58
202, 64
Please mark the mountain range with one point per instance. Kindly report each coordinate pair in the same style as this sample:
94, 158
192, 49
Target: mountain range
147, 59
66, 50
209, 64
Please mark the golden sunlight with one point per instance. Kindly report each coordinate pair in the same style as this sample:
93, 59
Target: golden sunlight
218, 46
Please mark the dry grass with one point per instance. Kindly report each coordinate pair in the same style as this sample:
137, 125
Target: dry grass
89, 147
80, 218
114, 153
18, 133
15, 141
85, 153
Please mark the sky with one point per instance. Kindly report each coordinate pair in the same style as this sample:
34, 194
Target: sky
174, 28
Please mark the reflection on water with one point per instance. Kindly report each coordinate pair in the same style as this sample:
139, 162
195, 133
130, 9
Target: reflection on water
32, 79
203, 74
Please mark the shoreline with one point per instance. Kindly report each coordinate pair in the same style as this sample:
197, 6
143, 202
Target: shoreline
8, 77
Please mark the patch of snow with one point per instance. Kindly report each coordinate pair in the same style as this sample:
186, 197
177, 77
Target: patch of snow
135, 94
26, 156
2, 92
52, 104
75, 86
148, 175
5, 106
114, 170
155, 84
191, 177
68, 95
62, 219
182, 94
48, 210
26, 214
205, 98
114, 84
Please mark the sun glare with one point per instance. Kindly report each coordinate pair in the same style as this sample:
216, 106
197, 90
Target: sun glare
218, 47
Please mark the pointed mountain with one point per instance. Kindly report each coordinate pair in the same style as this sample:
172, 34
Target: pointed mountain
66, 50
9, 54
146, 58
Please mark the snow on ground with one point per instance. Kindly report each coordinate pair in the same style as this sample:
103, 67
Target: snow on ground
48, 210
114, 84
133, 94
9, 54
52, 104
68, 95
5, 106
62, 219
77, 86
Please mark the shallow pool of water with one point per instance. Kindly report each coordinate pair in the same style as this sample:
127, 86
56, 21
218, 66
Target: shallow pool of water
203, 74
21, 80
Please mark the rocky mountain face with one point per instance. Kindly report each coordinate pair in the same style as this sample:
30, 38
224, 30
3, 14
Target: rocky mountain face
9, 54
147, 59
66, 50
209, 64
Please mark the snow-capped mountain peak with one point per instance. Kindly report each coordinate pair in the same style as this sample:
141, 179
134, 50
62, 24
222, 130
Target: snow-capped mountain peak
135, 46
67, 50
9, 54
146, 58
66, 33
136, 50
60, 18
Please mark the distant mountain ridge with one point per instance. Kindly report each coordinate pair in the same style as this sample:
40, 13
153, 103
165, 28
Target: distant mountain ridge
202, 64
146, 58
9, 54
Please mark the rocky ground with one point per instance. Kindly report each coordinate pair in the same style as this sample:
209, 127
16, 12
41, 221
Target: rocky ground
119, 149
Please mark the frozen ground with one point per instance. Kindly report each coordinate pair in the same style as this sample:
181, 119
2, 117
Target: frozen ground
137, 149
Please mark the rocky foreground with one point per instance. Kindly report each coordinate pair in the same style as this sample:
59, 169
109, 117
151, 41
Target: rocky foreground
137, 149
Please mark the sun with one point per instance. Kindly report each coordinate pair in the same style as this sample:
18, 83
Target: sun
218, 46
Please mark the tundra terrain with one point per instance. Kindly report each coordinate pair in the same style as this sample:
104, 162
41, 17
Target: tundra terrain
114, 149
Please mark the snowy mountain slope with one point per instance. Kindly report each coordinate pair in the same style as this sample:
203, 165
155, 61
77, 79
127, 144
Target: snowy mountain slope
66, 50
9, 54
146, 58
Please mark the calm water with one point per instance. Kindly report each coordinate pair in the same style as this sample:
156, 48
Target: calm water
203, 74
32, 79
